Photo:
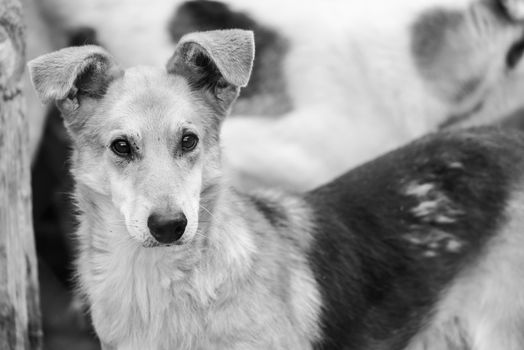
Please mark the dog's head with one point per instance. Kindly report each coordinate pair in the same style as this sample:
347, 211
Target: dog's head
147, 139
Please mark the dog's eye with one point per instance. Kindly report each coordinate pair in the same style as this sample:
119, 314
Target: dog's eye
189, 142
121, 148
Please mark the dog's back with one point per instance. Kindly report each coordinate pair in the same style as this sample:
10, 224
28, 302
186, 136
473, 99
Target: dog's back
422, 248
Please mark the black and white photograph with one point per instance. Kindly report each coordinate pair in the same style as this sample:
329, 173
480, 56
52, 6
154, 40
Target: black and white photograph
261, 175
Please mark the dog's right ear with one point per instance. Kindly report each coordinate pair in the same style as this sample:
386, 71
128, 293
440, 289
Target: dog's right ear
217, 62
73, 77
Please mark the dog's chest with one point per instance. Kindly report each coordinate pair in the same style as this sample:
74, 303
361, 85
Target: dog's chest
153, 304
144, 304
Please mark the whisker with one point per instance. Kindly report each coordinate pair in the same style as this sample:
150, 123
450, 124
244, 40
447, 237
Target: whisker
196, 233
207, 210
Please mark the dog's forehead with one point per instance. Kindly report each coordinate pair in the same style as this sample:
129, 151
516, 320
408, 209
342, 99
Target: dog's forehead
151, 95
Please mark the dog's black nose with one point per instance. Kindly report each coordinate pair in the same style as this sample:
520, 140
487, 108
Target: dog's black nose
167, 229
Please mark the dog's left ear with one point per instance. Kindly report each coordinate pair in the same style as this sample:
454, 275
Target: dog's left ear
218, 62
75, 78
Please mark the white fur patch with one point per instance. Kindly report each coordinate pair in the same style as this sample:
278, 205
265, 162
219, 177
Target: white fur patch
435, 241
433, 205
419, 190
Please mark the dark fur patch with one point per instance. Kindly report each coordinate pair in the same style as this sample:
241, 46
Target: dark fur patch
437, 51
267, 79
430, 34
51, 183
515, 53
198, 68
378, 288
93, 82
209, 75
204, 77
83, 36
272, 211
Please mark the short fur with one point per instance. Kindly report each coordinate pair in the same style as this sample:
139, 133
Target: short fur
417, 250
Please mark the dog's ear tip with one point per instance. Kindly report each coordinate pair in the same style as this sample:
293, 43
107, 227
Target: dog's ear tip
39, 75
243, 78
245, 33
249, 57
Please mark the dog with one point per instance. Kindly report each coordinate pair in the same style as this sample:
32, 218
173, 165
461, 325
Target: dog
420, 249
335, 83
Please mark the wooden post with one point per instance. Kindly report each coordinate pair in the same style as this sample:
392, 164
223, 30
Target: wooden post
20, 325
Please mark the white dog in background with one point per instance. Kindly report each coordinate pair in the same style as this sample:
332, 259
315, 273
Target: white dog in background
339, 82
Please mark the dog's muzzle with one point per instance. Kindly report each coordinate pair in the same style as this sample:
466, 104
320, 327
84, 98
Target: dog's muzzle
167, 230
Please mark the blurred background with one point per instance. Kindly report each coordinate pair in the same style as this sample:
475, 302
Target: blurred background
335, 83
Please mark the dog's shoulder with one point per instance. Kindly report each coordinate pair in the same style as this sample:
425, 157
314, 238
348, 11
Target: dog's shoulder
405, 224
281, 217
453, 181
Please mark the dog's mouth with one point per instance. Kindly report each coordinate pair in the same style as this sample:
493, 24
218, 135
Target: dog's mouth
150, 242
